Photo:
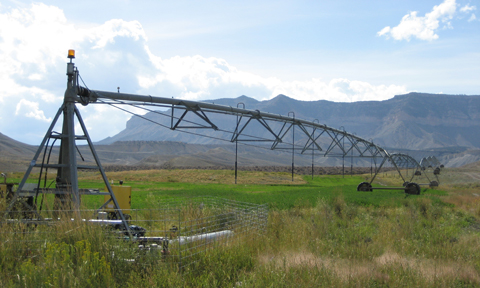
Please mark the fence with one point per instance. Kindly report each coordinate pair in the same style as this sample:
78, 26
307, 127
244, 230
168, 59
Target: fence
178, 231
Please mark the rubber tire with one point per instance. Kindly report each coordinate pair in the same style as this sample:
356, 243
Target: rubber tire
413, 189
364, 187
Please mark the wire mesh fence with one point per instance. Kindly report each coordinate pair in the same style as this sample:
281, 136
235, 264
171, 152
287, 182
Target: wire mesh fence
179, 231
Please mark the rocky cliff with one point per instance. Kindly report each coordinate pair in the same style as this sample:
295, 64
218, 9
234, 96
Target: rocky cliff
415, 121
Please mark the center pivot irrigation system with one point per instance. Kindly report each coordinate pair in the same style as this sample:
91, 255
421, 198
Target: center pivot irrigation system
271, 129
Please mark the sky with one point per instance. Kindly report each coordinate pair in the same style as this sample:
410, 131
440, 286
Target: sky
342, 50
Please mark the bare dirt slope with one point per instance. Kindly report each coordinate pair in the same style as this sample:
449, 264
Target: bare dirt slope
14, 155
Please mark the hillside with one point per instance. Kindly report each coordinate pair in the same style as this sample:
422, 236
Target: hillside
162, 154
14, 155
415, 121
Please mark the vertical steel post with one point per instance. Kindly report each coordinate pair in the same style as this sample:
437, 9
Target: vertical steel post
313, 150
351, 159
67, 174
343, 154
236, 143
236, 157
351, 163
313, 145
293, 143
67, 179
371, 167
407, 167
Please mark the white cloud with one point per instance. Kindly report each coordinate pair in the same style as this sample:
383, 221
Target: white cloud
107, 32
116, 53
197, 78
29, 52
338, 90
34, 40
31, 110
467, 8
423, 28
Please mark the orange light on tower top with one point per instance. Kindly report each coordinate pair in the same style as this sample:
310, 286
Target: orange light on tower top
71, 53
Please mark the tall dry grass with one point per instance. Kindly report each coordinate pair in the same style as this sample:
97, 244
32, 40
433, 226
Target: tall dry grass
333, 244
199, 176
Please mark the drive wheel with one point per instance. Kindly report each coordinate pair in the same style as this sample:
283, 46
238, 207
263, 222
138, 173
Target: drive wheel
364, 187
412, 189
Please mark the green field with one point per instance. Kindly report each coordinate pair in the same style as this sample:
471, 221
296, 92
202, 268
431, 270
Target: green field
277, 190
321, 233
303, 191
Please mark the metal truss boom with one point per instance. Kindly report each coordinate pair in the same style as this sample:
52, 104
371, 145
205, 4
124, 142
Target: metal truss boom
338, 142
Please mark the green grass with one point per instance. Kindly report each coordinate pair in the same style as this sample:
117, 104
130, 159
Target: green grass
278, 196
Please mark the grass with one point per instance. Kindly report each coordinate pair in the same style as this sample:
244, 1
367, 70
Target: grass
278, 190
321, 233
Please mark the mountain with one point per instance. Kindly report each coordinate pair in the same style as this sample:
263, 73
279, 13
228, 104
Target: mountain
14, 155
416, 121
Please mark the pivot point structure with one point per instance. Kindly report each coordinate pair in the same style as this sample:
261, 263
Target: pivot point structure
66, 192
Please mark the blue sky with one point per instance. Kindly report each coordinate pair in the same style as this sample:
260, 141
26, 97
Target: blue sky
308, 50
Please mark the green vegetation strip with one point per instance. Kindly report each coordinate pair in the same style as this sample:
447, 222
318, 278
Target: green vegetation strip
145, 194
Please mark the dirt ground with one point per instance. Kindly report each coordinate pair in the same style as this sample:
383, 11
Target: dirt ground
300, 170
